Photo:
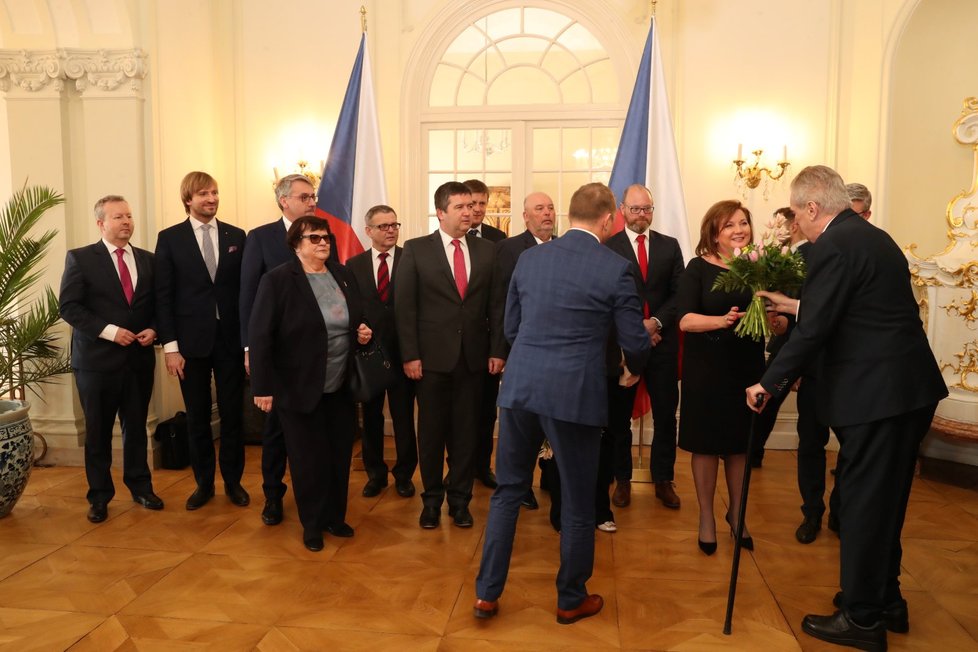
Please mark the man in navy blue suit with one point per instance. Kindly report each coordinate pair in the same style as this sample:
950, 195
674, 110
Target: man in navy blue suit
198, 281
266, 249
107, 297
563, 300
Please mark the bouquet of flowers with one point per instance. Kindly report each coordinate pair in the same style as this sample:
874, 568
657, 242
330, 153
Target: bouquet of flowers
756, 267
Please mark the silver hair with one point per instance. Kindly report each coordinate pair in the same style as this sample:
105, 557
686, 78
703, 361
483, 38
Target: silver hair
822, 185
284, 186
859, 192
100, 205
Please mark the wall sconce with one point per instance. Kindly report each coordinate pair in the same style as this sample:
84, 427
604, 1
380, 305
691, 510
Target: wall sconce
750, 176
303, 169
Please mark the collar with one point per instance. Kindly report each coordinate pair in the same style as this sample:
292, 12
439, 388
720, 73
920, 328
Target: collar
196, 224
446, 240
111, 247
593, 235
632, 236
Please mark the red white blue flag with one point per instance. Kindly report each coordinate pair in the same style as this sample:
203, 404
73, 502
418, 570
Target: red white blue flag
353, 177
647, 151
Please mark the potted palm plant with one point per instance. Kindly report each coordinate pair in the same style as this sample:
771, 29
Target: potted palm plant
29, 350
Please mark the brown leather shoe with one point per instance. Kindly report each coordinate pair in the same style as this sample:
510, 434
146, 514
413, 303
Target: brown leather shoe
591, 605
665, 493
485, 608
623, 493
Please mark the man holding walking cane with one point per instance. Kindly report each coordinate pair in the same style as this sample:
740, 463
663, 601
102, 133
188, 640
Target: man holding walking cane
859, 322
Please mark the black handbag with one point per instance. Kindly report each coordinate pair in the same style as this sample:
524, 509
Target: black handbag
372, 372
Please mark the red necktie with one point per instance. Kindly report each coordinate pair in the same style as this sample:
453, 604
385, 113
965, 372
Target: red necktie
461, 282
643, 266
124, 275
383, 278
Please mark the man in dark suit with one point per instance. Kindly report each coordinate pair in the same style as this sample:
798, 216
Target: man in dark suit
490, 386
107, 297
540, 217
198, 283
563, 300
375, 276
266, 249
657, 262
443, 326
878, 388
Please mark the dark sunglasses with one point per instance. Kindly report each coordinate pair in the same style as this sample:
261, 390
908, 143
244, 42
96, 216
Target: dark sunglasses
315, 238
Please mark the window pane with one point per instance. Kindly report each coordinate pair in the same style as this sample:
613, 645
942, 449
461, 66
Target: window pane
570, 182
576, 148
604, 82
471, 92
559, 62
604, 145
443, 86
576, 88
470, 150
523, 86
546, 149
544, 22
523, 50
503, 23
441, 150
435, 180
499, 155
581, 42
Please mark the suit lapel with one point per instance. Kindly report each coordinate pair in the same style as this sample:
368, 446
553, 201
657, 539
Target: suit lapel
189, 238
441, 261
107, 268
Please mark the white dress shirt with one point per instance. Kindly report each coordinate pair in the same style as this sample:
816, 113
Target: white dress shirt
375, 258
110, 330
450, 253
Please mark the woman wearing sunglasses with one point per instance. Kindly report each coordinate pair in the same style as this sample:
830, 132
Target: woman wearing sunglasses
305, 325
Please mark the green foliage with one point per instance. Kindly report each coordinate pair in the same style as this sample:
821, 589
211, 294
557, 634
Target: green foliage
29, 351
761, 267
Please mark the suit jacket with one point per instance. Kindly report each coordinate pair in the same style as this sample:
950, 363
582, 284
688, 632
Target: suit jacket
265, 249
858, 311
563, 299
289, 341
434, 325
91, 298
659, 289
507, 253
492, 234
379, 315
187, 301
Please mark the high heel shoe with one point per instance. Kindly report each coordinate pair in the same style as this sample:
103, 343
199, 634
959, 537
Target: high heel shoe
708, 547
747, 543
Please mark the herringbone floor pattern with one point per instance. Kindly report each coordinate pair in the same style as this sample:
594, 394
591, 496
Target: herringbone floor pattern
219, 579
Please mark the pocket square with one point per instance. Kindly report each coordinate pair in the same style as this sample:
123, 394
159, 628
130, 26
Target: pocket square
232, 249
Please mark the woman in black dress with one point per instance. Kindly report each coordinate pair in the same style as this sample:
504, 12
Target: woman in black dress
717, 366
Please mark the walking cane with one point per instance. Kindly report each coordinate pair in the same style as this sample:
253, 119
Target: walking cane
732, 593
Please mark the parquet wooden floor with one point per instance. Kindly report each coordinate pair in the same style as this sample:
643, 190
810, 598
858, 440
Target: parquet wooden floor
218, 579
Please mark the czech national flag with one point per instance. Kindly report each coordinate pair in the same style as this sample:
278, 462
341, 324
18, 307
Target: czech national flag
353, 177
647, 155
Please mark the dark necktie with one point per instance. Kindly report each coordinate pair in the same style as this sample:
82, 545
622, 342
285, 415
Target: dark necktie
475, 232
461, 281
124, 275
643, 266
383, 278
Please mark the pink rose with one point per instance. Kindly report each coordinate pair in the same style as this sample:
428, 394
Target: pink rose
752, 256
737, 252
785, 250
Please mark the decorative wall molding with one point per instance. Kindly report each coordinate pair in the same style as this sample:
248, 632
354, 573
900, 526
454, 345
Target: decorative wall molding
104, 71
31, 71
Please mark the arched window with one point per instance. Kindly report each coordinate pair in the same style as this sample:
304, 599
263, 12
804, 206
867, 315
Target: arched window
525, 98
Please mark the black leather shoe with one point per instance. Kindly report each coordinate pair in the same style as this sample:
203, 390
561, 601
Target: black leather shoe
839, 629
430, 516
833, 522
271, 514
488, 479
98, 512
462, 517
237, 495
149, 500
405, 488
895, 615
312, 540
340, 530
199, 498
530, 501
808, 529
708, 547
373, 487
747, 543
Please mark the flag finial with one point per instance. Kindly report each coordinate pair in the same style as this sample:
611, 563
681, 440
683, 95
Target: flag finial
363, 19
652, 4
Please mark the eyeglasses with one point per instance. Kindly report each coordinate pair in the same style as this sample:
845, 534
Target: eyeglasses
304, 197
393, 226
638, 210
315, 238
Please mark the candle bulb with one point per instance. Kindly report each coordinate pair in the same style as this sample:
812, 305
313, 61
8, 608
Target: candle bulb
275, 170
784, 153
740, 151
